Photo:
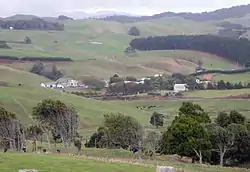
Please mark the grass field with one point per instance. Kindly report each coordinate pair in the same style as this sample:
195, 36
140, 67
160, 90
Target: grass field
216, 93
53, 163
79, 39
21, 100
144, 64
11, 162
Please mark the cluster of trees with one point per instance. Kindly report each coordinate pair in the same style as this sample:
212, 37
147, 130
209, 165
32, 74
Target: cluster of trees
134, 31
119, 131
63, 17
129, 51
45, 59
192, 134
232, 71
52, 118
117, 84
235, 50
222, 85
53, 74
11, 131
33, 24
167, 83
222, 14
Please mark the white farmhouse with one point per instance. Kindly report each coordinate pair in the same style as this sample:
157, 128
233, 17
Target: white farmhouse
180, 87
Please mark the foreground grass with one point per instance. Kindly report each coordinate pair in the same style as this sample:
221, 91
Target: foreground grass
101, 160
11, 162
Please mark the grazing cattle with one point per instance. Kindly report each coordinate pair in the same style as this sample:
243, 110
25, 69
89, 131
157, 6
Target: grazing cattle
58, 151
24, 149
134, 150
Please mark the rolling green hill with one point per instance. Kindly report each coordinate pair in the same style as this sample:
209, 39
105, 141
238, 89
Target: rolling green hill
98, 47
98, 50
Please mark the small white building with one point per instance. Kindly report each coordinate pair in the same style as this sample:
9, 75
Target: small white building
158, 75
67, 82
180, 87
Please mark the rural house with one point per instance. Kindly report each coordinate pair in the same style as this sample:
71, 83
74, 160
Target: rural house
180, 87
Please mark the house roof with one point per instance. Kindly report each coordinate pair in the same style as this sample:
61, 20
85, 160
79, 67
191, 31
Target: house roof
63, 80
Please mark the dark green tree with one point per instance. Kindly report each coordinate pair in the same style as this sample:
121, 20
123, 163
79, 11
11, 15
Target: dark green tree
240, 151
134, 31
186, 137
221, 85
223, 119
123, 131
195, 111
55, 73
97, 139
157, 119
57, 116
237, 118
27, 40
222, 139
38, 68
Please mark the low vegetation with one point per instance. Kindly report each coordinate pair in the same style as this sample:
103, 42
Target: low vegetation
53, 74
32, 24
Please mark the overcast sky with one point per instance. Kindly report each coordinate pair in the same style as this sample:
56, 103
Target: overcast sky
142, 7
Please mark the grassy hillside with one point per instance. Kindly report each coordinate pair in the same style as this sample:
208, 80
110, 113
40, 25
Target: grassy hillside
144, 64
98, 47
21, 99
76, 40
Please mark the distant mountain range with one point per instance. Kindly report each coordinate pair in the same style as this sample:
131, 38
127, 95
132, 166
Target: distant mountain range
74, 15
99, 14
221, 14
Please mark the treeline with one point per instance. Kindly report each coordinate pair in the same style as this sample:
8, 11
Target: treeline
234, 71
32, 24
167, 83
45, 59
193, 134
40, 69
232, 30
231, 49
221, 14
51, 118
